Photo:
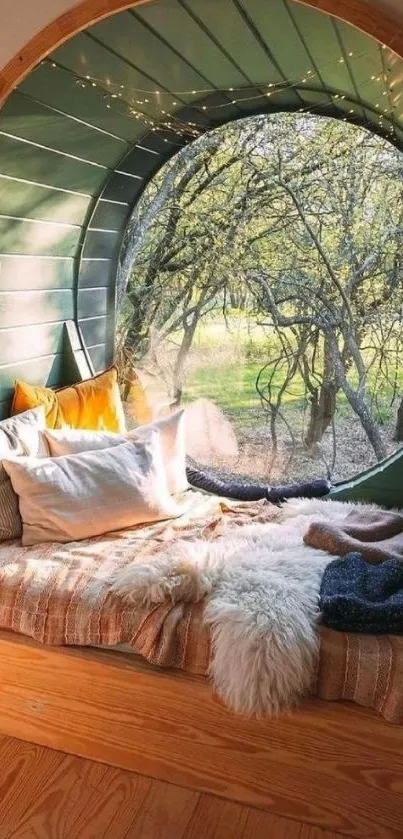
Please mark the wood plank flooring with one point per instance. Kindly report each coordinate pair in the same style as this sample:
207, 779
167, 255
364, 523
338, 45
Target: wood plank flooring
45, 794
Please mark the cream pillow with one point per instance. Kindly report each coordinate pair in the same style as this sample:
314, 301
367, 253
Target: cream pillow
173, 444
76, 496
19, 435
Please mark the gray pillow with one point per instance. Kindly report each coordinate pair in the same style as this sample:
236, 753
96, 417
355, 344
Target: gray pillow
19, 435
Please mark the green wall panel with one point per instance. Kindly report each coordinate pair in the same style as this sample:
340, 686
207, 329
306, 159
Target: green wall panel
28, 342
324, 47
101, 244
19, 273
94, 330
48, 370
197, 48
141, 162
33, 121
122, 188
277, 36
110, 216
91, 302
33, 201
84, 55
57, 87
22, 160
97, 272
38, 237
131, 39
31, 307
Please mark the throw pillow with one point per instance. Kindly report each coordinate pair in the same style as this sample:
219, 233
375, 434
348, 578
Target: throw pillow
20, 435
77, 496
173, 444
94, 403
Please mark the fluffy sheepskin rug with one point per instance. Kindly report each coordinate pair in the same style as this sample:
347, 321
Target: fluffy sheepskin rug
261, 585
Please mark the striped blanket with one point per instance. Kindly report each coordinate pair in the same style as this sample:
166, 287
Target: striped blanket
60, 595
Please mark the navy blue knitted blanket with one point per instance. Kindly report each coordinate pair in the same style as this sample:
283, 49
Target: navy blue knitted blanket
357, 596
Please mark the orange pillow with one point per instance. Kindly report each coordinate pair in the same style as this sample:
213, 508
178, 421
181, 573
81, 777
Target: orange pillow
94, 403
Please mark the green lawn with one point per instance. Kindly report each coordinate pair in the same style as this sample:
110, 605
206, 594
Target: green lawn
233, 386
224, 365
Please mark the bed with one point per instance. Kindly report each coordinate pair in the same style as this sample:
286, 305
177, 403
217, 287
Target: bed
333, 764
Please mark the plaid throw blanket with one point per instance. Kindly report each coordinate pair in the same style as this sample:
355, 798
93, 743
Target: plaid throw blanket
60, 595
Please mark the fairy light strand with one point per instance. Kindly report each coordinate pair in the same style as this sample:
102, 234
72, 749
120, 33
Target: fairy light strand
134, 99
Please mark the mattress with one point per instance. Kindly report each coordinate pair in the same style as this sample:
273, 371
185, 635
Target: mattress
60, 595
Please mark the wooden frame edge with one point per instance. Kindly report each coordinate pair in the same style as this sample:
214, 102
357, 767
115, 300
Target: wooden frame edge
367, 18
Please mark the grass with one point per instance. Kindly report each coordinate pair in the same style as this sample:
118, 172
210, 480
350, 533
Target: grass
233, 386
225, 361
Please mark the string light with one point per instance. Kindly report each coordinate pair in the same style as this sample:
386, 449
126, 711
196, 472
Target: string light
182, 127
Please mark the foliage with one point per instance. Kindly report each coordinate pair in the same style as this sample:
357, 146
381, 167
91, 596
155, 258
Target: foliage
295, 224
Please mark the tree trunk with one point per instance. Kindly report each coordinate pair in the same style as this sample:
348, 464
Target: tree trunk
179, 368
323, 406
398, 435
358, 405
323, 401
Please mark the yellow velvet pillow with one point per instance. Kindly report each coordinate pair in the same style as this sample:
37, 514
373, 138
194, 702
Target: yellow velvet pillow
94, 403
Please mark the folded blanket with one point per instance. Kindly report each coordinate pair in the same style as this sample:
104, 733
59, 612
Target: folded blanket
244, 490
376, 534
357, 596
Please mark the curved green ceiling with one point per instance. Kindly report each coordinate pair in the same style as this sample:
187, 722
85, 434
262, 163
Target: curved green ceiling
85, 131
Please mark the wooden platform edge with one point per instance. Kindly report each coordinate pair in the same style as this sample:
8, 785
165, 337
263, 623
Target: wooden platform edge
116, 709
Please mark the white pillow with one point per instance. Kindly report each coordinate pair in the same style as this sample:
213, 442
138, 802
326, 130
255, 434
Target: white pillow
173, 444
76, 496
19, 435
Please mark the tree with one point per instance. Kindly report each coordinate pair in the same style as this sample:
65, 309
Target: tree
298, 221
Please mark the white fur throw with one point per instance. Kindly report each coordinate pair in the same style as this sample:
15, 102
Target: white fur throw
261, 585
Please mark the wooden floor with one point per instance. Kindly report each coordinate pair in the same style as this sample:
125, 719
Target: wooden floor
45, 794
